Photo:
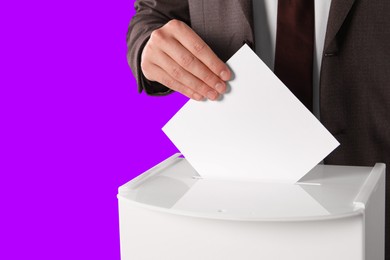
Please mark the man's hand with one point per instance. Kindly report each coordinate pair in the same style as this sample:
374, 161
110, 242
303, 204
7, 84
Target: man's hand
178, 58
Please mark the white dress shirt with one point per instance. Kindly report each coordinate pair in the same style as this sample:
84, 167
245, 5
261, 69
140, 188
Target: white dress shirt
265, 17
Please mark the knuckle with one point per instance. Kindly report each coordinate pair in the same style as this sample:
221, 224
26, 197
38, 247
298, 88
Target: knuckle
187, 60
170, 83
176, 73
214, 66
157, 35
199, 46
174, 23
188, 92
209, 77
200, 88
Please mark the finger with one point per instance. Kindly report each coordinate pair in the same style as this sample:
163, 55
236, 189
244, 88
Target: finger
169, 66
184, 77
164, 78
177, 52
191, 41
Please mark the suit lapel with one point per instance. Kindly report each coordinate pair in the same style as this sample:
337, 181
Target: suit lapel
339, 10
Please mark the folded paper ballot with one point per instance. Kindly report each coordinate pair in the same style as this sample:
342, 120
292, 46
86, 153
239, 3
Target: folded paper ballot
258, 130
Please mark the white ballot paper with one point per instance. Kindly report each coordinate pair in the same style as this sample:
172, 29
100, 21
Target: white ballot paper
258, 130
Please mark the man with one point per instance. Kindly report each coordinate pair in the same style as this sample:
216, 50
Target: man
181, 45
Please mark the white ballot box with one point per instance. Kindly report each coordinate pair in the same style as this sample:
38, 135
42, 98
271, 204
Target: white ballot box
334, 212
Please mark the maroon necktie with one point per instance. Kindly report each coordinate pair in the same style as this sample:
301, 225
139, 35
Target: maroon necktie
294, 48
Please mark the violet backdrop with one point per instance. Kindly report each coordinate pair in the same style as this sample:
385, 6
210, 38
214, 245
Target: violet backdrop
73, 127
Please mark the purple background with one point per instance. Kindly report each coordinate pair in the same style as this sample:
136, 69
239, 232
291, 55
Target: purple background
73, 127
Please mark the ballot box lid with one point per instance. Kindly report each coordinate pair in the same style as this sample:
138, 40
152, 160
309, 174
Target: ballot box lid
326, 192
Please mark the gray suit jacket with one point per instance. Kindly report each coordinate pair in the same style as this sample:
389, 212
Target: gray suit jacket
355, 72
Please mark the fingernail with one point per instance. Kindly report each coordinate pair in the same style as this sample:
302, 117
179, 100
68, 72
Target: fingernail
212, 95
225, 75
220, 88
198, 97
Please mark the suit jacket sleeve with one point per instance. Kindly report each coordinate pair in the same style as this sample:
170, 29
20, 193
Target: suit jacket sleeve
151, 15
